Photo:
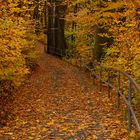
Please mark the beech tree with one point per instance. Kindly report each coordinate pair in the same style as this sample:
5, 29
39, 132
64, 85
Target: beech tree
16, 51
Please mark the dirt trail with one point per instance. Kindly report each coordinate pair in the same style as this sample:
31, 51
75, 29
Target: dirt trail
58, 102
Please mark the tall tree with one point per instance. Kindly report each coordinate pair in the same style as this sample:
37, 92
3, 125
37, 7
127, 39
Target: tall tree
56, 23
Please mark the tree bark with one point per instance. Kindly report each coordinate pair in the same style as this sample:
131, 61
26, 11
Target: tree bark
56, 39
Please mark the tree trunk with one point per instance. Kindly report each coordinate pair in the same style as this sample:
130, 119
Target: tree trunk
56, 24
101, 43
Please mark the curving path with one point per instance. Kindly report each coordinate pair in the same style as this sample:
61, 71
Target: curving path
59, 102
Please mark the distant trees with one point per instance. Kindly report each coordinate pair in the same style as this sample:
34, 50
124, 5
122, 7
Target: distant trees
108, 32
98, 30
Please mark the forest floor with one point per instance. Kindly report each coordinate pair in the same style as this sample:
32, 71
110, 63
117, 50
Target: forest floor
60, 102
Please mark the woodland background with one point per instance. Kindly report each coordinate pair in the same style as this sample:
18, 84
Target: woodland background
102, 31
99, 31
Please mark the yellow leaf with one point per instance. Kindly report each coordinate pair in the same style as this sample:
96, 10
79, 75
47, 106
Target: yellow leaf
117, 122
64, 129
44, 129
112, 135
30, 138
132, 134
51, 122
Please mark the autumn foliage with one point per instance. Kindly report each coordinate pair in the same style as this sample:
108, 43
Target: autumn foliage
59, 99
16, 44
108, 32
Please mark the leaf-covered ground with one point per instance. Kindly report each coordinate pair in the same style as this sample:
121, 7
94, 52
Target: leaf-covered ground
59, 102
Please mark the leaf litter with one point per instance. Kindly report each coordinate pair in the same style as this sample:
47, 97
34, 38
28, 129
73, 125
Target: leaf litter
60, 102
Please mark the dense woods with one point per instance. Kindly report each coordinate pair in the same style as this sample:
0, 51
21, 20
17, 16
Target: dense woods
99, 31
103, 32
110, 31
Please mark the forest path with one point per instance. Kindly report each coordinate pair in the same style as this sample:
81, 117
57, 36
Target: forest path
58, 102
